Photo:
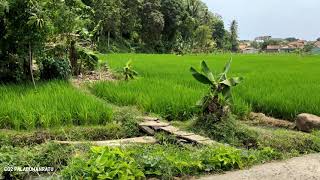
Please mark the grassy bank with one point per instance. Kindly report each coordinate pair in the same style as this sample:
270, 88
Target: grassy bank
278, 85
52, 104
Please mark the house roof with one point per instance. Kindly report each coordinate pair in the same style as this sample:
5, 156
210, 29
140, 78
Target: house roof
297, 44
317, 44
272, 47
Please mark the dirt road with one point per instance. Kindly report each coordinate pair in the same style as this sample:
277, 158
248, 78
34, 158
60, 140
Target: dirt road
300, 168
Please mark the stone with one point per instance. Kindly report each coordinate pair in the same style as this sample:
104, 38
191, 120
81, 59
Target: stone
307, 122
154, 124
148, 130
170, 129
195, 138
146, 118
112, 143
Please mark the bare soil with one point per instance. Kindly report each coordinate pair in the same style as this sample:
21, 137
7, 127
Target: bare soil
301, 168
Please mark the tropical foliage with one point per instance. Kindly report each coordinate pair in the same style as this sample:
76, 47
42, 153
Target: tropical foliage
220, 89
128, 71
32, 29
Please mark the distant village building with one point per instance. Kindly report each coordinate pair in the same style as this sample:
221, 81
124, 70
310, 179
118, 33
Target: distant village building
316, 48
245, 47
242, 46
262, 39
250, 50
273, 48
286, 49
297, 44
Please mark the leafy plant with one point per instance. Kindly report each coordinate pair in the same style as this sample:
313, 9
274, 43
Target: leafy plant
104, 163
128, 71
216, 101
55, 68
88, 60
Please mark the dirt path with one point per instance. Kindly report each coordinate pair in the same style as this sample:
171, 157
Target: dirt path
300, 168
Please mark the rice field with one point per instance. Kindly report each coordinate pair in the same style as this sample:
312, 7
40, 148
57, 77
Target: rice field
52, 104
278, 85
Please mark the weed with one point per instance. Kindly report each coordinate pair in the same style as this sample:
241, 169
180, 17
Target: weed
104, 163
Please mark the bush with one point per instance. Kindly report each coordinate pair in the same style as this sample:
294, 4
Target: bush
88, 60
287, 141
13, 68
104, 163
153, 161
228, 131
55, 68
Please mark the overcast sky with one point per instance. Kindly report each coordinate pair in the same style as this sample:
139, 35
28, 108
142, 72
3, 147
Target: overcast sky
278, 18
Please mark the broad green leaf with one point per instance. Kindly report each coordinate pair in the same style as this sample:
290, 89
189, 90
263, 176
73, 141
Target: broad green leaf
128, 64
227, 82
200, 77
207, 71
235, 80
227, 67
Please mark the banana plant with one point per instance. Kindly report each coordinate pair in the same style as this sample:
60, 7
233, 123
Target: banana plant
220, 88
128, 71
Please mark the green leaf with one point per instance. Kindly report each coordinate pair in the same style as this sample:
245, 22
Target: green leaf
207, 71
235, 80
128, 64
200, 77
227, 82
227, 67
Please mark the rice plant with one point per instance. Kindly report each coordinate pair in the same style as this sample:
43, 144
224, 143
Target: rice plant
278, 85
53, 104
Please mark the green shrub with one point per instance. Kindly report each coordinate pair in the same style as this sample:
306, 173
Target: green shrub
262, 155
126, 118
104, 163
153, 161
228, 131
88, 60
12, 68
219, 96
55, 68
45, 155
288, 141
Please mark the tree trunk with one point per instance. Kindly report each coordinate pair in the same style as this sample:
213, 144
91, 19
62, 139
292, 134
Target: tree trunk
108, 39
73, 58
31, 66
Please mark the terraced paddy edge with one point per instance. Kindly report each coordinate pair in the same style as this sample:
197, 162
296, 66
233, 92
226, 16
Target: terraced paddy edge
52, 104
277, 85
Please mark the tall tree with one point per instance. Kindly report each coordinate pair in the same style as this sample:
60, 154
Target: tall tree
108, 14
234, 36
152, 23
218, 33
173, 12
203, 39
130, 19
193, 7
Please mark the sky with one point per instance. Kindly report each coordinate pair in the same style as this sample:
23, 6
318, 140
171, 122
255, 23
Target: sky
277, 18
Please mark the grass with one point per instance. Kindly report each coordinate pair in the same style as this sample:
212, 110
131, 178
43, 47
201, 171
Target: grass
278, 85
52, 104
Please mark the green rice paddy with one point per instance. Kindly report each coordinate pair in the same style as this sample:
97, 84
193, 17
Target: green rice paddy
278, 85
52, 104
